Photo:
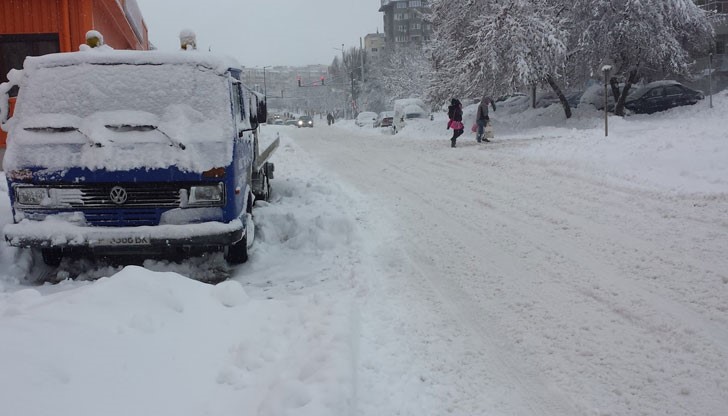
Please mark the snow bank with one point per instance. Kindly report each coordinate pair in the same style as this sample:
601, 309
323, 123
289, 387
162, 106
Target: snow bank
682, 150
142, 342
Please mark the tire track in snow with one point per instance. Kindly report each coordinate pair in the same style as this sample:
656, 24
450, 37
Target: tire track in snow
592, 260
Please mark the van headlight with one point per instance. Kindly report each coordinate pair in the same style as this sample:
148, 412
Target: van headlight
32, 196
208, 195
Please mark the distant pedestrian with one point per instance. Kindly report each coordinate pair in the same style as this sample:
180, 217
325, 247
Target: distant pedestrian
482, 119
330, 118
455, 113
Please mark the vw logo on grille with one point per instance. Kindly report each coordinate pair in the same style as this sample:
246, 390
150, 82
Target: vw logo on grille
118, 195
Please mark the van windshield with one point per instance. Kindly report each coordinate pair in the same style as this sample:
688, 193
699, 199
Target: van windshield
122, 117
82, 90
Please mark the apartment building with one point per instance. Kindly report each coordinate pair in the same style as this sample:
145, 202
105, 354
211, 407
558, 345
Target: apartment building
375, 44
404, 23
720, 23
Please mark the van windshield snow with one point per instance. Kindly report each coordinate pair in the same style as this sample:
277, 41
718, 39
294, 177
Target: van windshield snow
82, 90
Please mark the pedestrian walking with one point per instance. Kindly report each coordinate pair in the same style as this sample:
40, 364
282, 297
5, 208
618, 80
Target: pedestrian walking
482, 119
455, 113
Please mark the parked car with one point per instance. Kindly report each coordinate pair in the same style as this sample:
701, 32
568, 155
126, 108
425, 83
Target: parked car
407, 109
661, 96
549, 98
386, 118
304, 121
291, 122
366, 119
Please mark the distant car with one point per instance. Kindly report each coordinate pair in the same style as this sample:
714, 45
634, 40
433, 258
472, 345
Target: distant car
366, 119
405, 109
278, 122
386, 118
661, 96
291, 122
304, 121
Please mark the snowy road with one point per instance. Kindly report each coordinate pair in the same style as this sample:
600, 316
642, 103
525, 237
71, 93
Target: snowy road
509, 285
551, 273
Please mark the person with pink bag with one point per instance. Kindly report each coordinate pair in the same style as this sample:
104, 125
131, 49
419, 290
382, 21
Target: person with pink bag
455, 113
482, 119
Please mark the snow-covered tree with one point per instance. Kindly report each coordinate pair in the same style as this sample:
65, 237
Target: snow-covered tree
405, 73
497, 46
635, 36
494, 47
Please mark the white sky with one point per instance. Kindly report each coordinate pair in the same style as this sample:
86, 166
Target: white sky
264, 32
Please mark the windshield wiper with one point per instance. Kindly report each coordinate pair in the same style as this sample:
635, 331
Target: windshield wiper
64, 129
124, 128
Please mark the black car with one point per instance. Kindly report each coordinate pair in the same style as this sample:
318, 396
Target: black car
305, 121
660, 96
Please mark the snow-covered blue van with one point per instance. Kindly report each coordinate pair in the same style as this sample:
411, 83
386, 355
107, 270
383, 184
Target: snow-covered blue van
121, 152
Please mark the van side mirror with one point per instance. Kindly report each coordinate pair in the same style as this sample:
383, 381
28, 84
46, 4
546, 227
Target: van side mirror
262, 111
5, 89
253, 106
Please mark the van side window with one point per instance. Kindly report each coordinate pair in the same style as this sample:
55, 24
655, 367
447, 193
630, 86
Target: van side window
238, 109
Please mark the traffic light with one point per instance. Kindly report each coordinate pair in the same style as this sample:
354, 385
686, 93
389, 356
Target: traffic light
323, 81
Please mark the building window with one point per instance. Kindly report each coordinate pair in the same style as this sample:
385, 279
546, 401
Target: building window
14, 49
402, 28
415, 3
720, 43
402, 5
401, 39
719, 6
374, 50
398, 16
415, 26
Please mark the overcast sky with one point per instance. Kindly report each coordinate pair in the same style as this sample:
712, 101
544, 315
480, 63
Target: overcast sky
264, 32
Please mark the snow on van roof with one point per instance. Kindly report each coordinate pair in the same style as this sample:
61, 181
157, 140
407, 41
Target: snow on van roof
216, 62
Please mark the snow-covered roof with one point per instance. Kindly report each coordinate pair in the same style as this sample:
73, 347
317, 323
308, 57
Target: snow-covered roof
216, 62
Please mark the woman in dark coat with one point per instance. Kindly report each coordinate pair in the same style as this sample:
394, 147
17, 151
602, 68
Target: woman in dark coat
455, 112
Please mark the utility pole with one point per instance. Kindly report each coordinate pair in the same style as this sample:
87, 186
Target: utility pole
606, 69
265, 85
710, 78
361, 53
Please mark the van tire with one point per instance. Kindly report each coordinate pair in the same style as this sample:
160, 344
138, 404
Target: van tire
237, 253
52, 256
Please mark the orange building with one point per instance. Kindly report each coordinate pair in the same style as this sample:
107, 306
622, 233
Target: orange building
39, 27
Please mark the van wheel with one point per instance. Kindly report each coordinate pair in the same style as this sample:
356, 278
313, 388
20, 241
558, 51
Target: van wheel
266, 188
237, 253
52, 256
264, 195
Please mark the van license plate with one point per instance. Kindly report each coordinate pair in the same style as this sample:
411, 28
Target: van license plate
126, 241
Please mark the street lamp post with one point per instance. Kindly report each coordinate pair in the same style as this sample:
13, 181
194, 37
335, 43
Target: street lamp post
265, 85
606, 69
710, 78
